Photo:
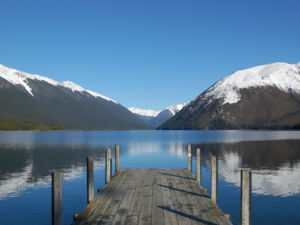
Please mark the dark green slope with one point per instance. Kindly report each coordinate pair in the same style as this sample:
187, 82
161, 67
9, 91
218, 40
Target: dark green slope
12, 124
62, 107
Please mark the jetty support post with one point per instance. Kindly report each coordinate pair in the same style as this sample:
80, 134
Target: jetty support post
199, 167
190, 157
214, 179
111, 163
107, 165
246, 186
57, 198
90, 179
117, 159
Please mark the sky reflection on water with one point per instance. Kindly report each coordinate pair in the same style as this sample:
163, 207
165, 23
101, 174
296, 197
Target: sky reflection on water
28, 158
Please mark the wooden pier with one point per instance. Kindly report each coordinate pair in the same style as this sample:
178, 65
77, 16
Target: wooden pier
152, 196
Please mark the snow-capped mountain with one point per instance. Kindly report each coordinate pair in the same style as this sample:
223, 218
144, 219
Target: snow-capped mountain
17, 77
156, 118
283, 76
144, 112
266, 96
166, 114
25, 96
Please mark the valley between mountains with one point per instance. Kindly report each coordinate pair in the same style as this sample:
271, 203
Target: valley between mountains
261, 97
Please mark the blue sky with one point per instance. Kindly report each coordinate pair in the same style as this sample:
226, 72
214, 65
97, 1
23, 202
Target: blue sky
147, 53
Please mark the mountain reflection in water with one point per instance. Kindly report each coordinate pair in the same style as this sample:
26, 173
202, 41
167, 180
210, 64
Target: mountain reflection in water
28, 158
274, 164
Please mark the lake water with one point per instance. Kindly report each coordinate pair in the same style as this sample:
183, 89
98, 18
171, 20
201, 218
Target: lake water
28, 158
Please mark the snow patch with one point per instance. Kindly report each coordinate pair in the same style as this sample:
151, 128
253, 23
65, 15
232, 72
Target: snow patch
97, 95
74, 87
176, 108
144, 112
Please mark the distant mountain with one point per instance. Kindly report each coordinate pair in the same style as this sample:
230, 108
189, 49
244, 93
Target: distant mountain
156, 118
166, 114
36, 98
262, 97
145, 114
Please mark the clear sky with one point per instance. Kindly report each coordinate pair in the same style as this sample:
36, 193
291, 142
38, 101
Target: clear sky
147, 53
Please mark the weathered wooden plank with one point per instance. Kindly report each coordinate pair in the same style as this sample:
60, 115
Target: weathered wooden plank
169, 217
135, 205
131, 220
209, 211
116, 199
198, 196
103, 220
146, 199
180, 207
157, 201
152, 197
101, 202
122, 212
185, 189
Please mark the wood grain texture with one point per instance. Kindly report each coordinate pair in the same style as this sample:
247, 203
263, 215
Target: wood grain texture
90, 179
154, 197
57, 198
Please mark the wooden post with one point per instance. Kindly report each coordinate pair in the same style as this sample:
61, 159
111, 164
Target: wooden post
117, 158
107, 165
199, 167
246, 197
90, 179
111, 172
190, 157
214, 179
57, 198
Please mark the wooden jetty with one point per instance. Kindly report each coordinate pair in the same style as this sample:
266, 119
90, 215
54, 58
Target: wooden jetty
151, 196
154, 197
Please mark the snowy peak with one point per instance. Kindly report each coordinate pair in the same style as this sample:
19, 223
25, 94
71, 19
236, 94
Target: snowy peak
284, 76
144, 112
176, 108
152, 113
156, 118
17, 77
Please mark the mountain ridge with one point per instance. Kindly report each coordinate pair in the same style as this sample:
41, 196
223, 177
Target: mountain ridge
261, 97
18, 77
156, 118
36, 98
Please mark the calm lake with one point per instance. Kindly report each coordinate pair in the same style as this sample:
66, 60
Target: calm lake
28, 158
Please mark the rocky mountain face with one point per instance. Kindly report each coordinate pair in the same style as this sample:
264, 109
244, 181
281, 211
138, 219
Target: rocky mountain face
30, 97
156, 118
262, 97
